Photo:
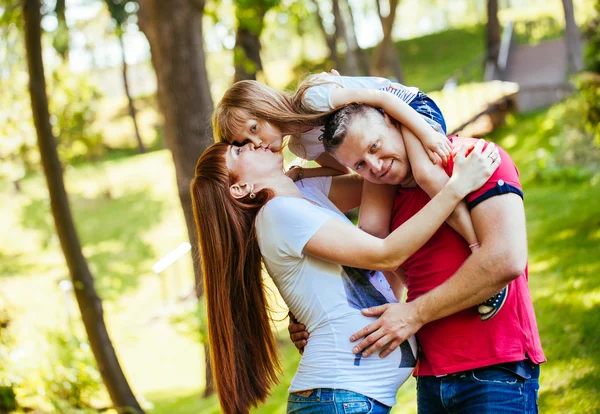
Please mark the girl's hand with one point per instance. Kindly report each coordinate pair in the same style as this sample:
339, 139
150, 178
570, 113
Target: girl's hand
436, 143
473, 170
295, 173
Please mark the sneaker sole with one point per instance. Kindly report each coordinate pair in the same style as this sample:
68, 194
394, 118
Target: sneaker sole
493, 313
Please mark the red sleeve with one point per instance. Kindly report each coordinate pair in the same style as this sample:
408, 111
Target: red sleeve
503, 181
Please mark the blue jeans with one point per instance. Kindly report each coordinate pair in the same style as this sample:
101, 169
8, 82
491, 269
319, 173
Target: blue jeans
330, 401
502, 388
428, 109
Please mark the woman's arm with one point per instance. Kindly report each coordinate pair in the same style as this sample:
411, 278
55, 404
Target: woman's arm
432, 178
356, 248
434, 142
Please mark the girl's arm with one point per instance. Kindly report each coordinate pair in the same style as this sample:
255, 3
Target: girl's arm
356, 248
434, 142
432, 178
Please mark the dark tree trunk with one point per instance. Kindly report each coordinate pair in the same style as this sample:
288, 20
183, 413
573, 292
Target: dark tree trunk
329, 39
90, 304
493, 35
361, 54
246, 54
573, 38
174, 31
385, 58
132, 113
350, 66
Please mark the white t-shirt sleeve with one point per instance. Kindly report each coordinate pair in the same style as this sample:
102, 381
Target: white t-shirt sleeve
320, 184
286, 224
319, 97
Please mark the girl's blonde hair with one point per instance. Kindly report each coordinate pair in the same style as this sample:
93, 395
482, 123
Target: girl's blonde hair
254, 100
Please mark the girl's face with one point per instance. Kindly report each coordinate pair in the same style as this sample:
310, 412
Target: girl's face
260, 133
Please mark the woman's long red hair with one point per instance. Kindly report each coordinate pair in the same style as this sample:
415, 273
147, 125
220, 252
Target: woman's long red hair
242, 347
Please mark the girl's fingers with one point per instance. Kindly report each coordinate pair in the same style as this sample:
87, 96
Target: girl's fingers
432, 156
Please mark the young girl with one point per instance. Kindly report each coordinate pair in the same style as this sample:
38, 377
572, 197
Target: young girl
253, 112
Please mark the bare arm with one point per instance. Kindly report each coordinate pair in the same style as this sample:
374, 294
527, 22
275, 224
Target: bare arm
376, 208
358, 249
435, 142
346, 191
432, 178
501, 258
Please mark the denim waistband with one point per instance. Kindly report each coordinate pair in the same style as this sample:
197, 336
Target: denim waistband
525, 369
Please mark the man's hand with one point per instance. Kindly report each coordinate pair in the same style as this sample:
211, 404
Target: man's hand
298, 333
398, 321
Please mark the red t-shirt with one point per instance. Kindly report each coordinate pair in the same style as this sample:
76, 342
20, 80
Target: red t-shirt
462, 341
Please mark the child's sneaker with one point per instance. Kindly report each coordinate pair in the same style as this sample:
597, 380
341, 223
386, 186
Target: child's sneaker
490, 307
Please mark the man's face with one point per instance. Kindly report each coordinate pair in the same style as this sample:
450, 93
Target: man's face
374, 148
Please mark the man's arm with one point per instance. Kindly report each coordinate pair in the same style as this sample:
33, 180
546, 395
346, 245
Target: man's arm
500, 224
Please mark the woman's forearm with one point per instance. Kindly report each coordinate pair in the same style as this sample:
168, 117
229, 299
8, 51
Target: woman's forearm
414, 233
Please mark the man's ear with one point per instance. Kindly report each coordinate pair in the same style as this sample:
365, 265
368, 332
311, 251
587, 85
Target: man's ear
391, 122
240, 190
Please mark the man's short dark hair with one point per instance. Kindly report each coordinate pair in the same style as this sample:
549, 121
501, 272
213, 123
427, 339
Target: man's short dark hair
337, 124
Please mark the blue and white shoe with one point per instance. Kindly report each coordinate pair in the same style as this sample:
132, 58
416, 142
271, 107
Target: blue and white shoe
492, 306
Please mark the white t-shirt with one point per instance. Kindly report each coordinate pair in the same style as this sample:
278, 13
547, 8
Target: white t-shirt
309, 146
327, 298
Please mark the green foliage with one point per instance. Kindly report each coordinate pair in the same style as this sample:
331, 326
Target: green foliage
73, 107
191, 321
588, 85
71, 378
554, 142
536, 31
591, 34
8, 397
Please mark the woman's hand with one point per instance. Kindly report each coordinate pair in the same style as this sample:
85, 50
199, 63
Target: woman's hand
473, 170
436, 143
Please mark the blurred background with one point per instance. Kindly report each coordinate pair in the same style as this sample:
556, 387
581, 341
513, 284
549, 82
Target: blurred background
107, 279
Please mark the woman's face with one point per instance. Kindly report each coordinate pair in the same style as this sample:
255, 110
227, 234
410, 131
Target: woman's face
252, 163
260, 133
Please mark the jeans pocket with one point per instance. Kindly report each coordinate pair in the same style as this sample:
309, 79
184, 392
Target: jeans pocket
357, 407
495, 375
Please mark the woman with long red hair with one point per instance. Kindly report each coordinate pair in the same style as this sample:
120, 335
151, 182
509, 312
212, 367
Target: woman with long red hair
248, 212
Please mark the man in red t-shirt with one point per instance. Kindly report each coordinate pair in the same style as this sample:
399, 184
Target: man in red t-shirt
465, 364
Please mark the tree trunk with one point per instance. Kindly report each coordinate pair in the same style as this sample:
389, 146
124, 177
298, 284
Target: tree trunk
174, 32
573, 38
361, 54
141, 148
329, 39
246, 53
89, 303
385, 57
492, 33
350, 66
